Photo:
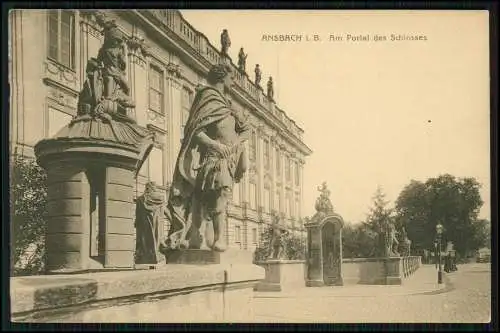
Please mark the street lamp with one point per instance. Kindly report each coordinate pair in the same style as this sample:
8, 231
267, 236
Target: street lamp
436, 253
439, 231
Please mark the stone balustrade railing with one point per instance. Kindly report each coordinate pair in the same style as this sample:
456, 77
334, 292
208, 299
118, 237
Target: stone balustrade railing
176, 24
410, 265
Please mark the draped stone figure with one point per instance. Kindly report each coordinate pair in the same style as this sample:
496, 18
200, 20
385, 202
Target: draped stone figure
150, 215
276, 245
211, 159
270, 89
242, 61
225, 42
258, 75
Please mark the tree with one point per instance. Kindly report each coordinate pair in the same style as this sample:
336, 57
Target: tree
453, 202
294, 246
357, 241
28, 211
376, 223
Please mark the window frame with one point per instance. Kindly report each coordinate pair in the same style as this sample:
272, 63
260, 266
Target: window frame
72, 38
158, 68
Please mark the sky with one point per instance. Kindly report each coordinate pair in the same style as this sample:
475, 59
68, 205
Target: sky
374, 113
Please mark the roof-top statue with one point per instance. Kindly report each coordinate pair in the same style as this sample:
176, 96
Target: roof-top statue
225, 42
242, 61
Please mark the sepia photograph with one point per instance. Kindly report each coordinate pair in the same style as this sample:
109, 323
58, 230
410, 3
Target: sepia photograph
249, 166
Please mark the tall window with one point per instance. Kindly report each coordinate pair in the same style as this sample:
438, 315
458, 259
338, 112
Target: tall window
253, 146
267, 200
278, 162
155, 89
253, 195
267, 157
297, 174
187, 100
61, 41
287, 168
237, 234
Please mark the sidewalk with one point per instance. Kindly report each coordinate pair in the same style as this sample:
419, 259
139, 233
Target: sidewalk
350, 303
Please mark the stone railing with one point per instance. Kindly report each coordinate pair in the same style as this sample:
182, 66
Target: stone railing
379, 270
174, 22
410, 265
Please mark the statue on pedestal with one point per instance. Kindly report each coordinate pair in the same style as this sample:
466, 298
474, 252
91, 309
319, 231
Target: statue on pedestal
270, 89
149, 218
242, 61
404, 243
323, 204
258, 75
211, 159
391, 240
276, 246
225, 42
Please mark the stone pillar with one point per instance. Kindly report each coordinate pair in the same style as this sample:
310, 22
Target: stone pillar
173, 109
120, 232
138, 78
68, 217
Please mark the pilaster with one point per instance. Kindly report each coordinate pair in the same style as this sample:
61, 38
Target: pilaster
138, 77
173, 109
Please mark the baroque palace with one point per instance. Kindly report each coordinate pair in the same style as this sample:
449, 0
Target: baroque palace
167, 60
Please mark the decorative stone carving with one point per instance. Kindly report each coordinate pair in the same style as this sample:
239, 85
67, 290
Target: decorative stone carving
174, 70
62, 98
202, 183
155, 118
60, 74
323, 204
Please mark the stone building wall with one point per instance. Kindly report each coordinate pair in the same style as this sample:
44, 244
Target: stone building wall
48, 52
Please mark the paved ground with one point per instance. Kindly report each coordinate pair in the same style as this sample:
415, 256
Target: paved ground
464, 299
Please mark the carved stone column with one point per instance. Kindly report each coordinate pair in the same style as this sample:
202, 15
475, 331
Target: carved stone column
138, 77
173, 109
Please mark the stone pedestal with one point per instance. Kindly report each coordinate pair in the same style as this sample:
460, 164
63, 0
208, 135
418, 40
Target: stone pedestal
282, 275
90, 203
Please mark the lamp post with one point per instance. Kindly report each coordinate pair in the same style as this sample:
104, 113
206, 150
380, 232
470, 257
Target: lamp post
436, 253
439, 231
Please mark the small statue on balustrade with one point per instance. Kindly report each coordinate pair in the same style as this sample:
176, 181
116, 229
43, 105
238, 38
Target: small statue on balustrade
225, 42
276, 244
258, 75
270, 89
149, 219
242, 61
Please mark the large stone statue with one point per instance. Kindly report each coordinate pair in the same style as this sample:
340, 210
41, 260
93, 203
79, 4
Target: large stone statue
149, 218
270, 89
276, 246
391, 240
242, 61
404, 243
211, 159
258, 75
225, 42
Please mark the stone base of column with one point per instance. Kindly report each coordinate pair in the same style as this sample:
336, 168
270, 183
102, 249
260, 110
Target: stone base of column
209, 257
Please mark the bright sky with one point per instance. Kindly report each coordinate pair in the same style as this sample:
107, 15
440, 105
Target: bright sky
374, 113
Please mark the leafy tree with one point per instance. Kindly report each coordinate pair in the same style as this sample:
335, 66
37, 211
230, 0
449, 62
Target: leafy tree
28, 211
453, 202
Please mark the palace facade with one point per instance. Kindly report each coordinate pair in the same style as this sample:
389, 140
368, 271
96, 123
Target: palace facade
167, 60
